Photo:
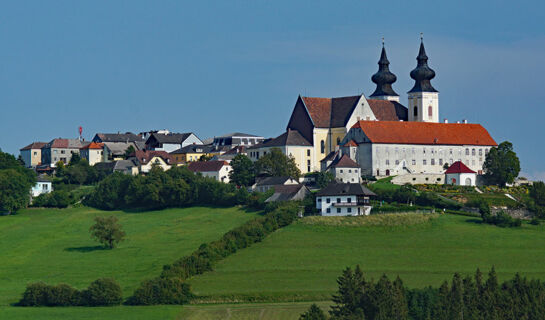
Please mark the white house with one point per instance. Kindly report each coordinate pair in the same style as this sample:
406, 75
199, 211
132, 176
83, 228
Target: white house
93, 153
145, 160
460, 175
266, 183
344, 199
171, 141
32, 154
218, 170
42, 186
345, 169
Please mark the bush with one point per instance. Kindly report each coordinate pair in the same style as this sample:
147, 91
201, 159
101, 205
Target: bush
102, 292
313, 313
501, 219
162, 291
36, 295
55, 199
535, 221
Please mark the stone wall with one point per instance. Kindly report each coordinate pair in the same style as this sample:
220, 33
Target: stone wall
419, 178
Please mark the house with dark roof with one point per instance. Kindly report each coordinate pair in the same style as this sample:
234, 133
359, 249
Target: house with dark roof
263, 184
344, 199
345, 169
194, 152
387, 148
117, 137
234, 139
32, 154
289, 193
218, 170
147, 159
459, 174
292, 144
171, 141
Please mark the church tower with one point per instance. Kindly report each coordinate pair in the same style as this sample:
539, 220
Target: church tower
423, 98
384, 79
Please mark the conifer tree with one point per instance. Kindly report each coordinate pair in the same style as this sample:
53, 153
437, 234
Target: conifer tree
441, 309
456, 301
349, 296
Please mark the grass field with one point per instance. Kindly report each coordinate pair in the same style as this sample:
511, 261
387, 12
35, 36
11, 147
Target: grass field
54, 245
302, 261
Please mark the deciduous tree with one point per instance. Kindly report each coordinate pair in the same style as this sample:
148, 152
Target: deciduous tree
243, 173
277, 164
107, 231
501, 165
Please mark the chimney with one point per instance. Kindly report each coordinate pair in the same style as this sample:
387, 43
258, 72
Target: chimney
445, 120
458, 121
464, 121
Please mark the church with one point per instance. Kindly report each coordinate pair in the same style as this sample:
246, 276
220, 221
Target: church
383, 136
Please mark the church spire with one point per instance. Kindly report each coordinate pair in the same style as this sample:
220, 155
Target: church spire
422, 74
384, 78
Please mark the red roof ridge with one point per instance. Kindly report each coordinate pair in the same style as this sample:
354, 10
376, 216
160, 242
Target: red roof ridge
459, 167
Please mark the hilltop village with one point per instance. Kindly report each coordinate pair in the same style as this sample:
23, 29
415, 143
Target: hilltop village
354, 138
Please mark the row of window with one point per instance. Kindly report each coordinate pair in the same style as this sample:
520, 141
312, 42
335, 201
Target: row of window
349, 210
433, 151
432, 162
328, 200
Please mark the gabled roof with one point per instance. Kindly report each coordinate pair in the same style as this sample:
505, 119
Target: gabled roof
286, 192
34, 145
351, 143
65, 144
338, 189
344, 162
145, 156
194, 148
288, 138
386, 110
207, 166
271, 181
119, 148
427, 133
330, 112
123, 165
239, 134
117, 137
331, 156
170, 138
93, 145
459, 167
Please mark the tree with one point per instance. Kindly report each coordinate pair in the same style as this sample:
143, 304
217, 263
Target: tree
75, 159
129, 151
107, 231
323, 178
537, 192
313, 313
243, 173
205, 157
349, 296
277, 164
15, 183
501, 165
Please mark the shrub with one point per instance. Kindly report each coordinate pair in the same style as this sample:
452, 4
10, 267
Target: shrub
63, 295
102, 292
36, 295
162, 291
313, 313
535, 221
501, 219
55, 199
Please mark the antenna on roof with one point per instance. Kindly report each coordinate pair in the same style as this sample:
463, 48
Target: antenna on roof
421, 36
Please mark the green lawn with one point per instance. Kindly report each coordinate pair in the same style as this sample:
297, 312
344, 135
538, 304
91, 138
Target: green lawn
302, 261
54, 246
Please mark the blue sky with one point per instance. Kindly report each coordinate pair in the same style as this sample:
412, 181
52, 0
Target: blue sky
216, 67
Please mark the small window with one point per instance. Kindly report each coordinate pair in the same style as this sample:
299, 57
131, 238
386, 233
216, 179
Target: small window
341, 171
415, 112
430, 112
308, 153
480, 152
424, 162
328, 210
349, 210
327, 200
414, 162
35, 153
472, 152
319, 199
308, 168
440, 162
62, 151
397, 162
338, 200
338, 141
349, 200
432, 162
322, 146
387, 162
467, 151
338, 210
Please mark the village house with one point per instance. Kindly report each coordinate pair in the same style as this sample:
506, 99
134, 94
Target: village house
218, 170
146, 160
263, 184
93, 153
234, 139
43, 185
171, 141
459, 174
345, 169
32, 154
193, 152
60, 150
344, 199
292, 192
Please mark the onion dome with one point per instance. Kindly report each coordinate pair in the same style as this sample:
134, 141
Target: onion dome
422, 74
383, 78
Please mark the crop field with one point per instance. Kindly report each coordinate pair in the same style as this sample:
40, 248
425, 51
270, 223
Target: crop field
302, 261
54, 246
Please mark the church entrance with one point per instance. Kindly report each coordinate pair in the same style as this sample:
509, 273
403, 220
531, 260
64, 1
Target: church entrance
387, 172
468, 181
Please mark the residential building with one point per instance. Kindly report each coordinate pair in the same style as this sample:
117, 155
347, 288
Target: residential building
117, 137
387, 148
171, 141
344, 199
460, 175
230, 154
60, 150
42, 186
32, 154
237, 139
263, 184
345, 169
93, 152
218, 170
145, 160
194, 152
289, 193
114, 151
292, 144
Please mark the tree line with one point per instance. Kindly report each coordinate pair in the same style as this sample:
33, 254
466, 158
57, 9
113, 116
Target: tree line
470, 297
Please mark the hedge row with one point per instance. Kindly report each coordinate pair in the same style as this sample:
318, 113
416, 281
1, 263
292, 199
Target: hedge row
101, 292
170, 287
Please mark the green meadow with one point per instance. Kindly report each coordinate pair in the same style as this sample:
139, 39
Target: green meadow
54, 246
302, 261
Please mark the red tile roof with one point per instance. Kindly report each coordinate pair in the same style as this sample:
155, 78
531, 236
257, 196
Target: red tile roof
386, 110
351, 143
145, 156
425, 133
34, 145
459, 167
94, 145
207, 166
330, 112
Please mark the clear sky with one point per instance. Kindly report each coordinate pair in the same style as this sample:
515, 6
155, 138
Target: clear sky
216, 67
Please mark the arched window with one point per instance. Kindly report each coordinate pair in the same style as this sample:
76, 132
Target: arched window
415, 111
322, 146
430, 111
338, 141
